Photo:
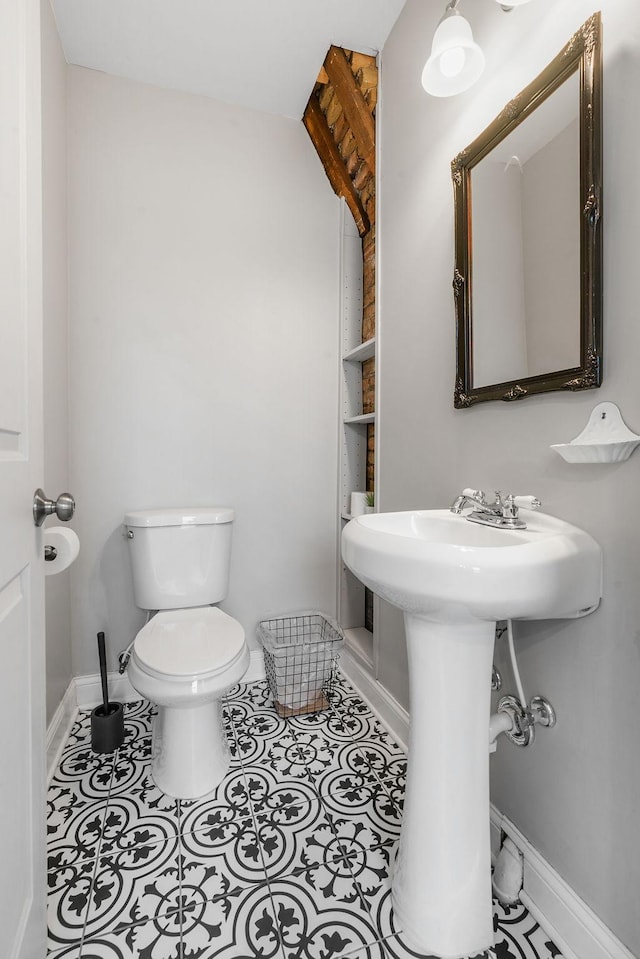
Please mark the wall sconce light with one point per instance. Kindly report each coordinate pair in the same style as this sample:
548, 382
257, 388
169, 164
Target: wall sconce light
456, 60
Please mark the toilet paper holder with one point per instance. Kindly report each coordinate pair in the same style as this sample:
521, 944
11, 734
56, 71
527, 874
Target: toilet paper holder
61, 547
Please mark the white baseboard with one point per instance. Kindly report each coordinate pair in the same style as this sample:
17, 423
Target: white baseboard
496, 819
59, 728
568, 921
255, 673
89, 690
387, 709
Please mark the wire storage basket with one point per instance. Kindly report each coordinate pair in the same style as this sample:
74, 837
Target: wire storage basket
300, 658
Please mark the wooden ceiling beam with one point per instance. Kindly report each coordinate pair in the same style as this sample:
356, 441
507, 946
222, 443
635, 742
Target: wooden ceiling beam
353, 103
340, 130
359, 60
316, 124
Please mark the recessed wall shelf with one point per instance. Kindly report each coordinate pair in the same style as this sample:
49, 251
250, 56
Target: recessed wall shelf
364, 351
354, 430
363, 418
605, 439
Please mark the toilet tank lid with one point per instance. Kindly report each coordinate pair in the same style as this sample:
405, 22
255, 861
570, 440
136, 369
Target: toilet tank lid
180, 516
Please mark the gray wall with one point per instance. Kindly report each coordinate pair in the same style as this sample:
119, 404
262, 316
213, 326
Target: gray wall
203, 264
56, 473
575, 794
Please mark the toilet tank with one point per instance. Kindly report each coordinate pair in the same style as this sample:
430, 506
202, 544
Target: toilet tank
180, 557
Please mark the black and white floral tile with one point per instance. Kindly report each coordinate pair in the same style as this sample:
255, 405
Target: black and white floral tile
289, 858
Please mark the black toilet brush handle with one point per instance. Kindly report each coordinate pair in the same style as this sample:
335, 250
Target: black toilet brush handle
102, 657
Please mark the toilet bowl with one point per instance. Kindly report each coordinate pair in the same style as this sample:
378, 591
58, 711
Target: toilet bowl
184, 661
190, 653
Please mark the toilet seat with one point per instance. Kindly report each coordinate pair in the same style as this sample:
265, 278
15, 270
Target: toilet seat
187, 644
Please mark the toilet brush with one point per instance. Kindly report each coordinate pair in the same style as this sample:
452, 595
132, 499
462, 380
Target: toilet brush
107, 720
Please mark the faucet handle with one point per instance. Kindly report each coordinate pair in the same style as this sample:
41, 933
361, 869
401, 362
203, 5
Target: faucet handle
476, 494
527, 502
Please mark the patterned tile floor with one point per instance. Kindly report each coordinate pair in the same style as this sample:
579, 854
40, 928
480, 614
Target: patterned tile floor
288, 859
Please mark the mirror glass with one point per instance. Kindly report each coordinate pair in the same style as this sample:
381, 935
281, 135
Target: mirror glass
527, 195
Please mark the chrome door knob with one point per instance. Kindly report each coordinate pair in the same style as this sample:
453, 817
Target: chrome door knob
64, 507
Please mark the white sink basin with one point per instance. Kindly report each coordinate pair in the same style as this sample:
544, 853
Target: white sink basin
437, 564
454, 579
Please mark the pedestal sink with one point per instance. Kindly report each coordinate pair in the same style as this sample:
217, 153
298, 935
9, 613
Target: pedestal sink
453, 580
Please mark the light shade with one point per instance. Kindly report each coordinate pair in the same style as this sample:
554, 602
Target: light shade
509, 4
456, 61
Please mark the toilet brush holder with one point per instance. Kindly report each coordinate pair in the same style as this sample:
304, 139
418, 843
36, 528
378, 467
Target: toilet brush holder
107, 728
107, 720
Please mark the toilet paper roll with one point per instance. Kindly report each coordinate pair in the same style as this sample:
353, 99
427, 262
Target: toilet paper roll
358, 503
67, 546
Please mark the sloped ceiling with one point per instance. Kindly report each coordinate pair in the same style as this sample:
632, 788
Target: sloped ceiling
263, 54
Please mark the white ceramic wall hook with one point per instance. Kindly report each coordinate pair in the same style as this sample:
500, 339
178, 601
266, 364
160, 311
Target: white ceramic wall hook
605, 438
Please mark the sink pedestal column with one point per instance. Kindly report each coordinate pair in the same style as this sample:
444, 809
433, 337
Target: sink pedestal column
441, 891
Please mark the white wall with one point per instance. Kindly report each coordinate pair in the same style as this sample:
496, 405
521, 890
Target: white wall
56, 473
204, 340
575, 793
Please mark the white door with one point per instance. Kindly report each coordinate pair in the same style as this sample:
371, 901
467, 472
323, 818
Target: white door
22, 682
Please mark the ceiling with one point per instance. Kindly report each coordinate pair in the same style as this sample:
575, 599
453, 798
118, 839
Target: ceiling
263, 54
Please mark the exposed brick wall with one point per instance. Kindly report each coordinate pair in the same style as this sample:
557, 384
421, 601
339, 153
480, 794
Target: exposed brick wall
369, 284
371, 455
369, 330
368, 385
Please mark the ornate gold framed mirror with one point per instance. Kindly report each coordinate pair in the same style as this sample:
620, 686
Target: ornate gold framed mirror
528, 236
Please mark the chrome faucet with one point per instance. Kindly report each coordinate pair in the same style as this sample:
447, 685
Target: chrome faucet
470, 497
502, 513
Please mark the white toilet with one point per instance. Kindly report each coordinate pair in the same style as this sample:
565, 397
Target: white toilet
189, 653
